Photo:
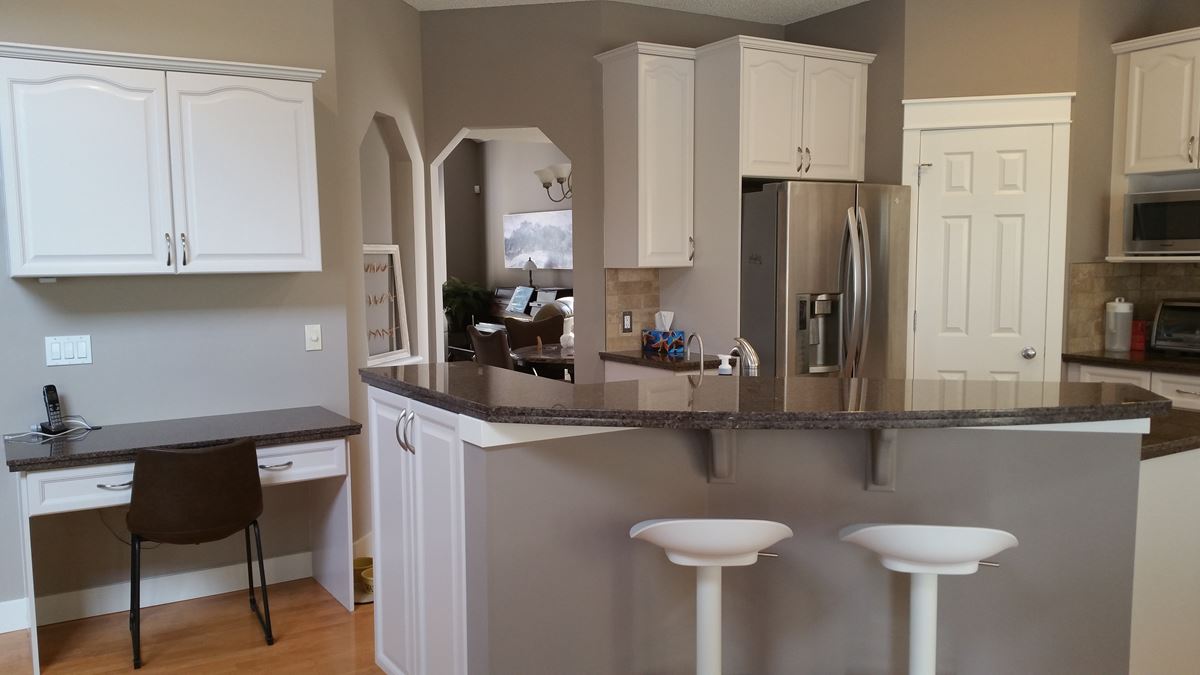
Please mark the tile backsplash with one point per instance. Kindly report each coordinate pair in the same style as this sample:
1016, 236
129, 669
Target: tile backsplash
1091, 285
634, 290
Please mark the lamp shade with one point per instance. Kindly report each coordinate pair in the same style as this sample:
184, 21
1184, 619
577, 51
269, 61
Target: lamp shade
560, 171
529, 265
546, 176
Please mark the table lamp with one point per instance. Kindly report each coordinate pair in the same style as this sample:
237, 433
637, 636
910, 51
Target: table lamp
530, 266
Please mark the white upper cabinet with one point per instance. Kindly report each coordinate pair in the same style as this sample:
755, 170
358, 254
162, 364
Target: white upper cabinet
245, 175
835, 119
1163, 119
649, 139
772, 114
117, 164
85, 168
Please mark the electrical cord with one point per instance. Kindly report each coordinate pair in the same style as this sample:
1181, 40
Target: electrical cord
39, 437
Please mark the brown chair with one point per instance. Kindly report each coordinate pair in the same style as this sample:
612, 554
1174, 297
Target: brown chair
526, 333
491, 349
194, 496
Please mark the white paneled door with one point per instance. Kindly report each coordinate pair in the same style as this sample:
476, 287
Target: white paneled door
983, 239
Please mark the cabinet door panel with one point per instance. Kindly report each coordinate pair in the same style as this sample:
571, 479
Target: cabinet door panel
666, 121
1164, 109
244, 162
86, 171
1183, 390
835, 119
1140, 378
772, 96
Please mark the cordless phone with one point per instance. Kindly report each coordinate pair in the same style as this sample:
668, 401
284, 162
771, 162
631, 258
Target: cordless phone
54, 421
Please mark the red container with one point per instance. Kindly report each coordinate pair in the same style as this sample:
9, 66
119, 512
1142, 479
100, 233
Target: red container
1138, 340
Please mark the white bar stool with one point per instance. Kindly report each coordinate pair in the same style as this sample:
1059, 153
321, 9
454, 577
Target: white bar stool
924, 552
708, 544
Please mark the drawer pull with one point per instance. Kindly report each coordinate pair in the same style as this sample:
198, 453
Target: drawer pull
115, 486
1187, 392
276, 467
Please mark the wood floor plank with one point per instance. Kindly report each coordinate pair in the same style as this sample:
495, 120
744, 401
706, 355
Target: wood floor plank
314, 635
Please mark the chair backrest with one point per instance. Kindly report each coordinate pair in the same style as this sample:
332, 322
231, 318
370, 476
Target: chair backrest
195, 495
491, 349
526, 333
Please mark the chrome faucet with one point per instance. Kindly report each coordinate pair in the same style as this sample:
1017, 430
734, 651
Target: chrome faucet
748, 360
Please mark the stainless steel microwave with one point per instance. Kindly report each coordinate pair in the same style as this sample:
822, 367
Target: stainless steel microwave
1162, 223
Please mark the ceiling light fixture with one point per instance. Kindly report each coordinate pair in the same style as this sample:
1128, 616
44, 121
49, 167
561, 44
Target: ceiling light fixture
557, 173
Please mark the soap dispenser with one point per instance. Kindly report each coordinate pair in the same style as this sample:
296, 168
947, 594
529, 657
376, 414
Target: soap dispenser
725, 368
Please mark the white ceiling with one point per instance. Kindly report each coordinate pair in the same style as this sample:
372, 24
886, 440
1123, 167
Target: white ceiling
780, 12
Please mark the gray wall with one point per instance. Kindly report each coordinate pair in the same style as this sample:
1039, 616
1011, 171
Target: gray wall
559, 563
533, 65
509, 186
465, 244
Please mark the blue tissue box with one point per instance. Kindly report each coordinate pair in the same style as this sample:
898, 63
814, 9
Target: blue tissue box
672, 342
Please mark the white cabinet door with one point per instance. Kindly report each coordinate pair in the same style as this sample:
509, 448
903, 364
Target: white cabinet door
244, 169
666, 118
86, 170
1183, 390
772, 105
395, 489
1163, 121
1140, 378
834, 119
438, 454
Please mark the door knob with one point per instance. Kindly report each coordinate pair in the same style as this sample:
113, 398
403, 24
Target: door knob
1029, 353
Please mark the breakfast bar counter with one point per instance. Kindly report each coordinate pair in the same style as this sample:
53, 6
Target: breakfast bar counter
508, 499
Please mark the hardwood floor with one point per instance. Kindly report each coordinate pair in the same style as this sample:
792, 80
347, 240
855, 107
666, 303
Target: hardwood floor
219, 634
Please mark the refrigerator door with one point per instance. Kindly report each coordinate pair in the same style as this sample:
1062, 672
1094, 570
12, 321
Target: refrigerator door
883, 212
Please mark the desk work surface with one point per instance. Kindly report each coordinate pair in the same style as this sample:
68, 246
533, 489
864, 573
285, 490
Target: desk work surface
120, 442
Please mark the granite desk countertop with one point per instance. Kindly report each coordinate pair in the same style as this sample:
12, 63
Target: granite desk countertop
115, 443
1167, 362
638, 357
499, 396
1172, 432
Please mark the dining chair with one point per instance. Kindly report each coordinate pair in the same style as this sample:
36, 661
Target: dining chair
526, 333
195, 496
491, 349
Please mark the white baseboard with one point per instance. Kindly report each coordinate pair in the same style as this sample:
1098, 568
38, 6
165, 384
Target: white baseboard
155, 591
13, 615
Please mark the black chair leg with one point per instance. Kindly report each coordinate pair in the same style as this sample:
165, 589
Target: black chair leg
135, 598
250, 572
265, 617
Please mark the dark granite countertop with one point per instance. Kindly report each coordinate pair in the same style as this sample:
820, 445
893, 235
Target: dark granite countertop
1171, 433
1167, 362
638, 357
496, 395
120, 442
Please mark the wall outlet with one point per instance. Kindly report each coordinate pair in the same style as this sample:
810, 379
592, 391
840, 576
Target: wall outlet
68, 350
626, 322
312, 338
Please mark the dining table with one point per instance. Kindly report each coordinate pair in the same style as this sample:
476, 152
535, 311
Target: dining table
553, 359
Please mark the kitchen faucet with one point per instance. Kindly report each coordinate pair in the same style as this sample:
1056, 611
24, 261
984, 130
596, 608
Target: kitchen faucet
747, 358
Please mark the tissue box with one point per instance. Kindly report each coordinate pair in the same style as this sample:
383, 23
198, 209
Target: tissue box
672, 342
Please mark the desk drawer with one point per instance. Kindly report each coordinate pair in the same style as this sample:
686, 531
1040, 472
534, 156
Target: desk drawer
1183, 390
301, 461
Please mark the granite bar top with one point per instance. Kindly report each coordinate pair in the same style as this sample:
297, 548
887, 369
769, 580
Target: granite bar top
677, 364
713, 402
120, 442
1171, 433
1167, 362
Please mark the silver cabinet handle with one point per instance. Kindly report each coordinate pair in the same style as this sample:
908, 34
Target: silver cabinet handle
169, 247
277, 467
692, 255
115, 486
402, 418
1187, 392
799, 159
1191, 142
808, 160
1029, 353
183, 240
408, 425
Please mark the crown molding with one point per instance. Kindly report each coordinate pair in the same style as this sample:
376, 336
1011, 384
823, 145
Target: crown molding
172, 63
1186, 35
783, 47
649, 49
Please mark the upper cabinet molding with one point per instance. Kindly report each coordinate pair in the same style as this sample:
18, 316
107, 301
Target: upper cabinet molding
648, 49
987, 111
765, 44
1185, 35
172, 63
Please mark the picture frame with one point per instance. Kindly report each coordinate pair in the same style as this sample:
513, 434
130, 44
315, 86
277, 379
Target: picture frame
386, 311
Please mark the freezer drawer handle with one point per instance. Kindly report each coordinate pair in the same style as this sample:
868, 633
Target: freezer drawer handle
115, 486
276, 467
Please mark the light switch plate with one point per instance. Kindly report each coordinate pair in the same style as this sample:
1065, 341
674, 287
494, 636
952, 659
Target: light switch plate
68, 350
312, 338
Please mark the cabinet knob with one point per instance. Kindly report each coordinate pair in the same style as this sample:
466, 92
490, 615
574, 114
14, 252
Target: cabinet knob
1029, 353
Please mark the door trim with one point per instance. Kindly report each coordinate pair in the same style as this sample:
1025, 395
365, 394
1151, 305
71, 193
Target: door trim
981, 112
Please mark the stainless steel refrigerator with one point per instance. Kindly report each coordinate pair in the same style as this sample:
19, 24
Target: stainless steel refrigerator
824, 278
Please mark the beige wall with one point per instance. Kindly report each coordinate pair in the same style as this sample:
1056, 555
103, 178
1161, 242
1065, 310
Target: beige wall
532, 65
462, 172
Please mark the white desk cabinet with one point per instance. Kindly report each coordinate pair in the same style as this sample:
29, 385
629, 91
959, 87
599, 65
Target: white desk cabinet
87, 179
649, 137
122, 164
1163, 118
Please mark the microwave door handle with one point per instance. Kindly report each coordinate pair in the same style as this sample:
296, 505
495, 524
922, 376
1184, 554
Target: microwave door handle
867, 291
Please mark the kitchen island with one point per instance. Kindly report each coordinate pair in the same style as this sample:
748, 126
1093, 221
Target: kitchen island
503, 504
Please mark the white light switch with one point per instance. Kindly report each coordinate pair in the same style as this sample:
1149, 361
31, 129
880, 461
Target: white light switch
312, 337
68, 350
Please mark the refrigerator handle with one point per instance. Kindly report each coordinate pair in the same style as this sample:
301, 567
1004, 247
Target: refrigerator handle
865, 331
852, 340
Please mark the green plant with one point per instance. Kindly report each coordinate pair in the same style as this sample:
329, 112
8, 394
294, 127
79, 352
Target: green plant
462, 300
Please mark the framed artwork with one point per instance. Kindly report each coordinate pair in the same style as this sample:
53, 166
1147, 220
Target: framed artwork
544, 236
386, 316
